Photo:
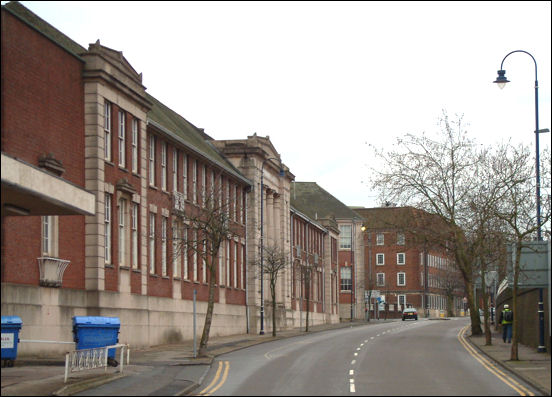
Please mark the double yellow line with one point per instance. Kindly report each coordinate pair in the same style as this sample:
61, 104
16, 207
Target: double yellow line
218, 381
491, 367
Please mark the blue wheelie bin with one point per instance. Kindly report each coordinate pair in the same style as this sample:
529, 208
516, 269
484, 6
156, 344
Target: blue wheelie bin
90, 332
10, 339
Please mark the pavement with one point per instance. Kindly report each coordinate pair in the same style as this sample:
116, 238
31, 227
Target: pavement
173, 370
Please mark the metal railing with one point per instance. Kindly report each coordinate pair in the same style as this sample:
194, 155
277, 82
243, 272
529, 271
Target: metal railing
84, 359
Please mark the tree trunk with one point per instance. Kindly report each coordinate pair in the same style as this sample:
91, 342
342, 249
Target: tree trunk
273, 293
209, 315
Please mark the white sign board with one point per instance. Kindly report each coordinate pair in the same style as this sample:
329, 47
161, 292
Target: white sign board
7, 340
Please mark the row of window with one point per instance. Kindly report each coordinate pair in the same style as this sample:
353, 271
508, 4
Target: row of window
401, 279
121, 137
184, 261
229, 195
345, 237
380, 239
401, 259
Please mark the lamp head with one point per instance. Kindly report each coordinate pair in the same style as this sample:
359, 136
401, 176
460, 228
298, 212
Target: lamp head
501, 80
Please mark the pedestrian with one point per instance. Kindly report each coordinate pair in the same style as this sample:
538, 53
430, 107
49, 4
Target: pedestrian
506, 319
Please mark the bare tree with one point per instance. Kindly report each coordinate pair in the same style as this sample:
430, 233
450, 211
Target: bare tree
275, 261
306, 271
437, 176
204, 228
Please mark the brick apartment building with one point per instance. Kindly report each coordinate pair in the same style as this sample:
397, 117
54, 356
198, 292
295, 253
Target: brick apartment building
406, 271
97, 177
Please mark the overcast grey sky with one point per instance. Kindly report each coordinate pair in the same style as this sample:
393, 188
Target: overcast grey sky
324, 78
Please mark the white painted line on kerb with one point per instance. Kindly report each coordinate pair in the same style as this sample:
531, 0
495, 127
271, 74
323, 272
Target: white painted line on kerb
353, 362
352, 385
351, 372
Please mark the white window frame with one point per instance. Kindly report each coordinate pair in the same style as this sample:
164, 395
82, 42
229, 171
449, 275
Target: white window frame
204, 184
122, 232
107, 131
49, 241
401, 255
403, 284
235, 266
185, 252
152, 160
164, 245
195, 256
401, 301
382, 276
345, 237
121, 135
134, 235
185, 176
194, 182
152, 243
164, 166
349, 270
380, 239
227, 260
175, 170
107, 228
134, 154
378, 262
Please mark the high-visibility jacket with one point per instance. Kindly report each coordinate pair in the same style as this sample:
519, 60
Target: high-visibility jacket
503, 316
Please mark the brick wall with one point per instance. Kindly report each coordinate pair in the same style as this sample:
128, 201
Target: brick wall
42, 113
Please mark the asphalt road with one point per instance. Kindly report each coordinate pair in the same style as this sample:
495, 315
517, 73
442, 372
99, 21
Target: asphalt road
401, 358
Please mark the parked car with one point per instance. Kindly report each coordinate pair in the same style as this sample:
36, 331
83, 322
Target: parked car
410, 313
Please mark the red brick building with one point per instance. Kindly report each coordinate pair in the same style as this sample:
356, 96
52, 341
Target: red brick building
406, 266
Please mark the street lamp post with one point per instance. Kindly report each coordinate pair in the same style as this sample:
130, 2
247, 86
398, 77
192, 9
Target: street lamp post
501, 81
262, 238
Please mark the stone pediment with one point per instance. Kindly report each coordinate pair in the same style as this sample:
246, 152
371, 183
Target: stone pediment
116, 58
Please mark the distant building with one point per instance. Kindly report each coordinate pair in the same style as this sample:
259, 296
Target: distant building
407, 265
321, 206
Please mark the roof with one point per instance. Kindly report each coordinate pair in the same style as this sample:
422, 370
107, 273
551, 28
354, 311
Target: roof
40, 25
405, 218
171, 123
315, 202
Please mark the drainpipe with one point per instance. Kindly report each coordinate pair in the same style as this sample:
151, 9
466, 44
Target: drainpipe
245, 265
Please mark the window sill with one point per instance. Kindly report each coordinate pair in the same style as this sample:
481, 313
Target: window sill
123, 267
109, 266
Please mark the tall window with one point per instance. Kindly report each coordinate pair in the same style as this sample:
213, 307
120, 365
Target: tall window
194, 264
185, 249
107, 227
134, 238
345, 234
203, 184
346, 279
176, 250
152, 243
380, 259
107, 131
122, 232
164, 166
228, 262
235, 267
194, 182
122, 125
163, 245
134, 145
152, 160
175, 170
380, 239
401, 279
380, 279
49, 236
185, 175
